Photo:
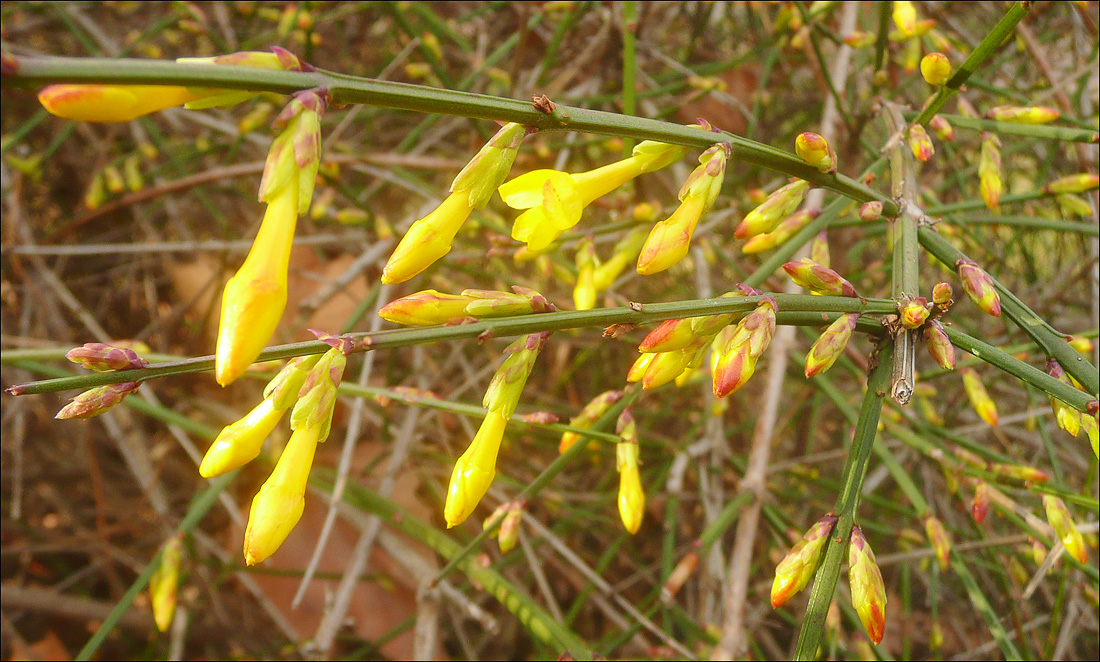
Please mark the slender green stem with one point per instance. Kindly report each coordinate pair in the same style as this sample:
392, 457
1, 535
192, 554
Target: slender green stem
346, 89
499, 328
990, 43
630, 63
1050, 340
1030, 222
978, 203
1041, 131
906, 256
981, 603
855, 468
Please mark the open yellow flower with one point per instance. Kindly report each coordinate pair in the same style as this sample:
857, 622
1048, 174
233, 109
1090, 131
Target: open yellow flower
554, 200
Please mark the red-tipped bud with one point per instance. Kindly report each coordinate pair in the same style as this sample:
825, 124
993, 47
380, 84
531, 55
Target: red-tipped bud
778, 206
920, 143
94, 402
858, 39
668, 336
1073, 183
868, 590
936, 68
979, 506
830, 345
941, 544
818, 278
941, 294
979, 286
1064, 527
914, 313
942, 128
870, 211
813, 149
1023, 114
939, 345
979, 397
797, 568
102, 357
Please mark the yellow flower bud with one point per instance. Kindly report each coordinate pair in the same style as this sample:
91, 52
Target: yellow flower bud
475, 470
631, 495
278, 505
936, 68
164, 583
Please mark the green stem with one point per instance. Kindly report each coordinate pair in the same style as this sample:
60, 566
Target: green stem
32, 72
1041, 131
855, 468
1052, 342
906, 256
990, 43
790, 305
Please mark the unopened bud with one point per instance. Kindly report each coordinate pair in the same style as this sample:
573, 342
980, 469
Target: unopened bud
818, 278
942, 128
1079, 183
779, 236
941, 544
814, 150
979, 506
941, 294
819, 249
1020, 472
870, 211
631, 494
989, 170
1065, 528
1023, 115
828, 348
510, 514
920, 143
164, 583
588, 416
936, 68
979, 397
979, 286
914, 313
102, 357
778, 206
939, 345
799, 565
905, 18
859, 39
868, 590
94, 402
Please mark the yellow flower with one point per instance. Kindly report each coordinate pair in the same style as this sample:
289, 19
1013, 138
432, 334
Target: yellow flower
631, 496
239, 443
428, 239
164, 583
475, 470
278, 506
122, 103
254, 299
554, 200
111, 103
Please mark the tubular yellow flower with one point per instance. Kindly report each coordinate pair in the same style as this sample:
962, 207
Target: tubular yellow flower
254, 298
112, 103
779, 205
278, 505
782, 232
425, 308
905, 18
428, 239
122, 103
164, 583
631, 495
622, 255
1023, 115
475, 470
554, 200
239, 443
669, 240
799, 565
1064, 527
